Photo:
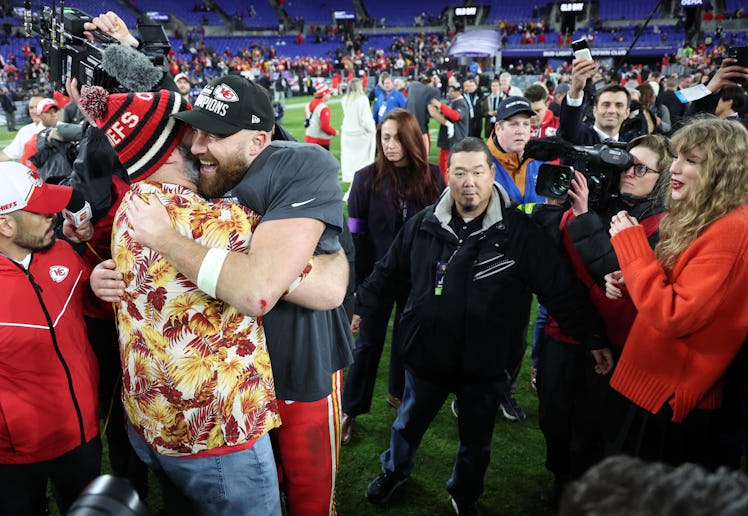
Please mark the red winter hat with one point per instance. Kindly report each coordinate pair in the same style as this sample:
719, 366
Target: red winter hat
322, 89
138, 125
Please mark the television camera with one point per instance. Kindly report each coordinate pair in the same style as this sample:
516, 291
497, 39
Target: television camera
69, 54
601, 164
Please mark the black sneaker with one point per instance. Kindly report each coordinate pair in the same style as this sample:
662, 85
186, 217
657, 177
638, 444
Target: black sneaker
512, 411
384, 486
466, 510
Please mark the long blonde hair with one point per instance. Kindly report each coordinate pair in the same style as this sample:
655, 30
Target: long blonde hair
355, 89
722, 183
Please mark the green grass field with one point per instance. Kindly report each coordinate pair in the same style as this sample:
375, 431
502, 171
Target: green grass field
515, 477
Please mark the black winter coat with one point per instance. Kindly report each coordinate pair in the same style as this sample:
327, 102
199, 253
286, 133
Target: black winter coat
472, 328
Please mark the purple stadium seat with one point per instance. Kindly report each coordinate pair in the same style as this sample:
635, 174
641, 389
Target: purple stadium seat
318, 11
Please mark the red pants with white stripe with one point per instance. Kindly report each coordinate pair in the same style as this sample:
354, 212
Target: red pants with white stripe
306, 448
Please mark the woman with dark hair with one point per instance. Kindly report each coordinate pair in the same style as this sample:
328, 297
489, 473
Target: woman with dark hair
573, 418
656, 116
383, 196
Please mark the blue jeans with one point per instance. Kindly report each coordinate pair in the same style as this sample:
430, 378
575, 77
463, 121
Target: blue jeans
422, 400
539, 334
239, 483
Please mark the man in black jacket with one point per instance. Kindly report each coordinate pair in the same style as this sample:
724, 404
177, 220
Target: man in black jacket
466, 265
610, 110
668, 99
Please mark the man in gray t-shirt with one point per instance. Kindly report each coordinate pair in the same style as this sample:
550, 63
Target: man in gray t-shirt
420, 94
279, 185
294, 187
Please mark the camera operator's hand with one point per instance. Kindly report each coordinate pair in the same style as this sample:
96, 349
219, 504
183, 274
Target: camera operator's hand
581, 70
54, 134
71, 87
728, 75
112, 25
579, 193
620, 221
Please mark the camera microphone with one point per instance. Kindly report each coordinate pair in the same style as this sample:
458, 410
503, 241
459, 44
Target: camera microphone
548, 149
132, 69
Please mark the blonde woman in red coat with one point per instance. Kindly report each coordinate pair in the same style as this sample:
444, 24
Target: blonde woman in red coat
690, 294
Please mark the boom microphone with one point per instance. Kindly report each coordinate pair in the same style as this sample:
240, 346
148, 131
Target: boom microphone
132, 69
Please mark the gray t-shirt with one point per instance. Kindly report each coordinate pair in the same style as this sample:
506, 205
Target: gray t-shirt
419, 96
298, 180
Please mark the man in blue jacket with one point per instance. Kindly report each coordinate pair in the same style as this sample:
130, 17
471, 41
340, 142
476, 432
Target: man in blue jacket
387, 98
517, 175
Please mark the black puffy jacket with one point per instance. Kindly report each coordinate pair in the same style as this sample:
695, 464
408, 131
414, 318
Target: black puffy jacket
470, 330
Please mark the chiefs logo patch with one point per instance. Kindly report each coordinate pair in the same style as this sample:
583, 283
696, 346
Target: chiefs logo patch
58, 273
35, 178
225, 93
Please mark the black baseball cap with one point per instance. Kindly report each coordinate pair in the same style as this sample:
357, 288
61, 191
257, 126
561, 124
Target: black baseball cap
229, 104
511, 106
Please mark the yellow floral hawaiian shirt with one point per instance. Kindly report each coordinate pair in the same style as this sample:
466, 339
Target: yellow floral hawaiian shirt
196, 373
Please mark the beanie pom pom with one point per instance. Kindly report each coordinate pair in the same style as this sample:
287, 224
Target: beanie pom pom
93, 101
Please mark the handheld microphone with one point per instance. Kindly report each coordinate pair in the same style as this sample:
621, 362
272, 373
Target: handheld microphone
78, 211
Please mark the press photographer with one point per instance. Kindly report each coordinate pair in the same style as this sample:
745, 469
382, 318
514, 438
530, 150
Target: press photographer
575, 415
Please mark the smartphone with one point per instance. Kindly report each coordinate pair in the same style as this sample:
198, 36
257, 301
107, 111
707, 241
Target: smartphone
581, 49
741, 54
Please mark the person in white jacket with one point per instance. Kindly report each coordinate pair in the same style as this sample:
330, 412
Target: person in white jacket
357, 140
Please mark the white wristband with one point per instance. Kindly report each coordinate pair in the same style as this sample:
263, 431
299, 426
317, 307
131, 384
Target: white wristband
210, 269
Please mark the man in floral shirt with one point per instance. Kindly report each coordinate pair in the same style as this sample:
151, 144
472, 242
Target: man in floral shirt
198, 389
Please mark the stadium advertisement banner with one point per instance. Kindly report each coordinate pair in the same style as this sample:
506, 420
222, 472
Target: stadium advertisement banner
596, 52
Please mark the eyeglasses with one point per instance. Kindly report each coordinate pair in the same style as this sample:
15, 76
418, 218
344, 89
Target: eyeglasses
640, 169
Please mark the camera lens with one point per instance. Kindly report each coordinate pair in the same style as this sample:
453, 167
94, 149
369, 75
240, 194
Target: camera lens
561, 183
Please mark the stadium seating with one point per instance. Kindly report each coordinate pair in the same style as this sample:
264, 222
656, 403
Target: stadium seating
319, 11
264, 17
184, 10
401, 14
510, 11
625, 10
97, 7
